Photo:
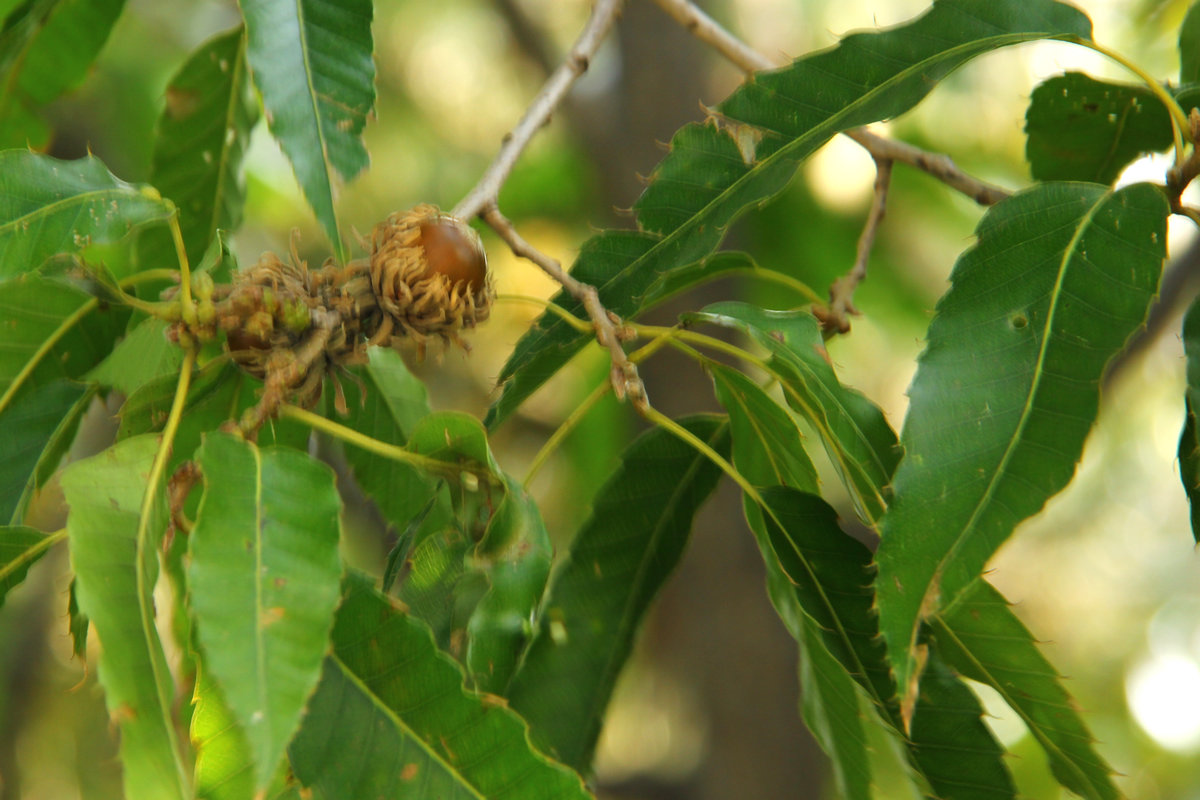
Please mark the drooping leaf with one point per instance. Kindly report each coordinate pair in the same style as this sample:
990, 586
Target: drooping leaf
311, 61
143, 355
856, 435
20, 547
1189, 440
514, 555
1007, 388
829, 575
48, 206
767, 444
715, 171
199, 146
263, 580
46, 49
424, 734
624, 553
1082, 129
981, 638
1189, 47
77, 623
115, 571
34, 433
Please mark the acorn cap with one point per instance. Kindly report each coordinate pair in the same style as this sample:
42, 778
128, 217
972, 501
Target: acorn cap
429, 272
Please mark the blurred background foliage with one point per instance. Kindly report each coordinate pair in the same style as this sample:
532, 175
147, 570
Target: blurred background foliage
1106, 576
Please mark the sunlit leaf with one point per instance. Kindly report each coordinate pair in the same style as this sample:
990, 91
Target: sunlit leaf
981, 638
263, 579
199, 146
46, 48
311, 61
224, 767
1082, 129
856, 435
424, 735
747, 154
1007, 388
617, 562
48, 206
34, 433
115, 572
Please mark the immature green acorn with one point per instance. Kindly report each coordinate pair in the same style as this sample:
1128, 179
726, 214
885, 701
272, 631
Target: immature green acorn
430, 274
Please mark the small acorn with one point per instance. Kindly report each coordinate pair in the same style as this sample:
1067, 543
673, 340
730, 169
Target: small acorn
430, 276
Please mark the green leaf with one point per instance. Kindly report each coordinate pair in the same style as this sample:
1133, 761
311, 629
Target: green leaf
1189, 47
48, 207
767, 444
743, 157
860, 442
311, 61
224, 767
219, 392
640, 522
1189, 440
1082, 129
1008, 385
981, 638
77, 622
387, 406
142, 356
424, 735
115, 572
46, 49
34, 433
20, 547
264, 577
514, 555
829, 574
199, 145
952, 747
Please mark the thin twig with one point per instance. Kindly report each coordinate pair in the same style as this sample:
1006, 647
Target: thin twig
604, 14
940, 166
841, 293
609, 333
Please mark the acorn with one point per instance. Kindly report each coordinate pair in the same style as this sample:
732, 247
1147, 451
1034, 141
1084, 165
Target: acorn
430, 275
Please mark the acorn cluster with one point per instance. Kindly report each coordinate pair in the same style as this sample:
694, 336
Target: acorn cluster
291, 326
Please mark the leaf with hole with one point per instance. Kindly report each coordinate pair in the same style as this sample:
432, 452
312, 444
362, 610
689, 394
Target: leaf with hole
1007, 388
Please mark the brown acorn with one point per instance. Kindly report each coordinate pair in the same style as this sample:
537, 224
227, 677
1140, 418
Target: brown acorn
430, 275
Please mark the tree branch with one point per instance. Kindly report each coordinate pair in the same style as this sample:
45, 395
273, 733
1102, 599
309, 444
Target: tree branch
609, 331
841, 293
940, 166
486, 191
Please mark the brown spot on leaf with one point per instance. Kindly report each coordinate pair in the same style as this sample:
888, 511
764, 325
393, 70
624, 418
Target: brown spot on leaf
181, 103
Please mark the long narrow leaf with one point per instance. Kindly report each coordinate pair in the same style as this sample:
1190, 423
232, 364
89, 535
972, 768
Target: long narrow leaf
710, 177
1189, 440
391, 719
264, 578
115, 576
199, 144
1008, 386
312, 62
860, 442
48, 206
624, 553
981, 638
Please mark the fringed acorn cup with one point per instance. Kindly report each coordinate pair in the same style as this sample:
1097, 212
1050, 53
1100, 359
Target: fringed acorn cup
290, 326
